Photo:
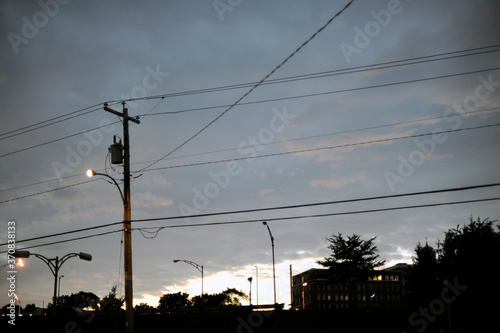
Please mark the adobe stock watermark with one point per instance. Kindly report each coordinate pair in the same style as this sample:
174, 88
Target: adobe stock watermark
373, 28
421, 318
94, 138
254, 320
250, 147
453, 115
12, 272
30, 27
223, 6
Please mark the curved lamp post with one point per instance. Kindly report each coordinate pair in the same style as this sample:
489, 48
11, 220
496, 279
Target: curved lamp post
54, 263
274, 270
90, 173
127, 258
198, 267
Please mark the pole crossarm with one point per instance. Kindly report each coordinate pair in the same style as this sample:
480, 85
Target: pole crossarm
119, 114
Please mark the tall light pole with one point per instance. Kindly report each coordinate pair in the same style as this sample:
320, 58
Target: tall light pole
274, 270
19, 301
257, 282
127, 229
304, 285
198, 267
250, 293
54, 264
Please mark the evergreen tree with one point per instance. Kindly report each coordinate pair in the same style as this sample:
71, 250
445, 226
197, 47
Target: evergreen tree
352, 260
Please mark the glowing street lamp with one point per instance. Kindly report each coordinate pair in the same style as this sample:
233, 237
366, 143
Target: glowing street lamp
18, 262
90, 173
54, 263
304, 285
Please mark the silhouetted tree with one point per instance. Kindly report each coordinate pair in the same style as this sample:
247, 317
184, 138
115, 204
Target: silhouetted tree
79, 300
174, 301
29, 308
352, 260
143, 306
111, 302
471, 253
229, 297
424, 283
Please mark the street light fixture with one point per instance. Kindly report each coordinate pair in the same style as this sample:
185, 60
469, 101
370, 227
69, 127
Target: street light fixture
250, 293
18, 262
274, 267
304, 285
257, 280
90, 173
198, 267
59, 291
54, 263
19, 301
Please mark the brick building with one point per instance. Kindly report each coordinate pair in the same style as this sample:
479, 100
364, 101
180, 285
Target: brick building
313, 290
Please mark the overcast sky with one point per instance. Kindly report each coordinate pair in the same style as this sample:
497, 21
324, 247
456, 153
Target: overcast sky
364, 132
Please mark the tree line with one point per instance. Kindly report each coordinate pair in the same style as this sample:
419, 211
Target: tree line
468, 255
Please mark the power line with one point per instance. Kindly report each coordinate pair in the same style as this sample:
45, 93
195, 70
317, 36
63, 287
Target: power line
254, 210
51, 121
262, 156
391, 196
382, 85
55, 140
45, 123
48, 191
250, 103
357, 69
71, 239
251, 89
384, 65
323, 148
265, 144
296, 217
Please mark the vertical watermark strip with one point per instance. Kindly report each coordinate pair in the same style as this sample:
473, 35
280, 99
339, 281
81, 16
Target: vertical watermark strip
12, 272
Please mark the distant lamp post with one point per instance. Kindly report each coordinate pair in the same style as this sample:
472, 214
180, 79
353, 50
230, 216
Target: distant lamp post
257, 282
304, 285
250, 294
274, 269
59, 291
18, 301
54, 263
198, 267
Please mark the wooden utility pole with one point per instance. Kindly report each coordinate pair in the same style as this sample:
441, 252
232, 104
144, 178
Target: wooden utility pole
129, 315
